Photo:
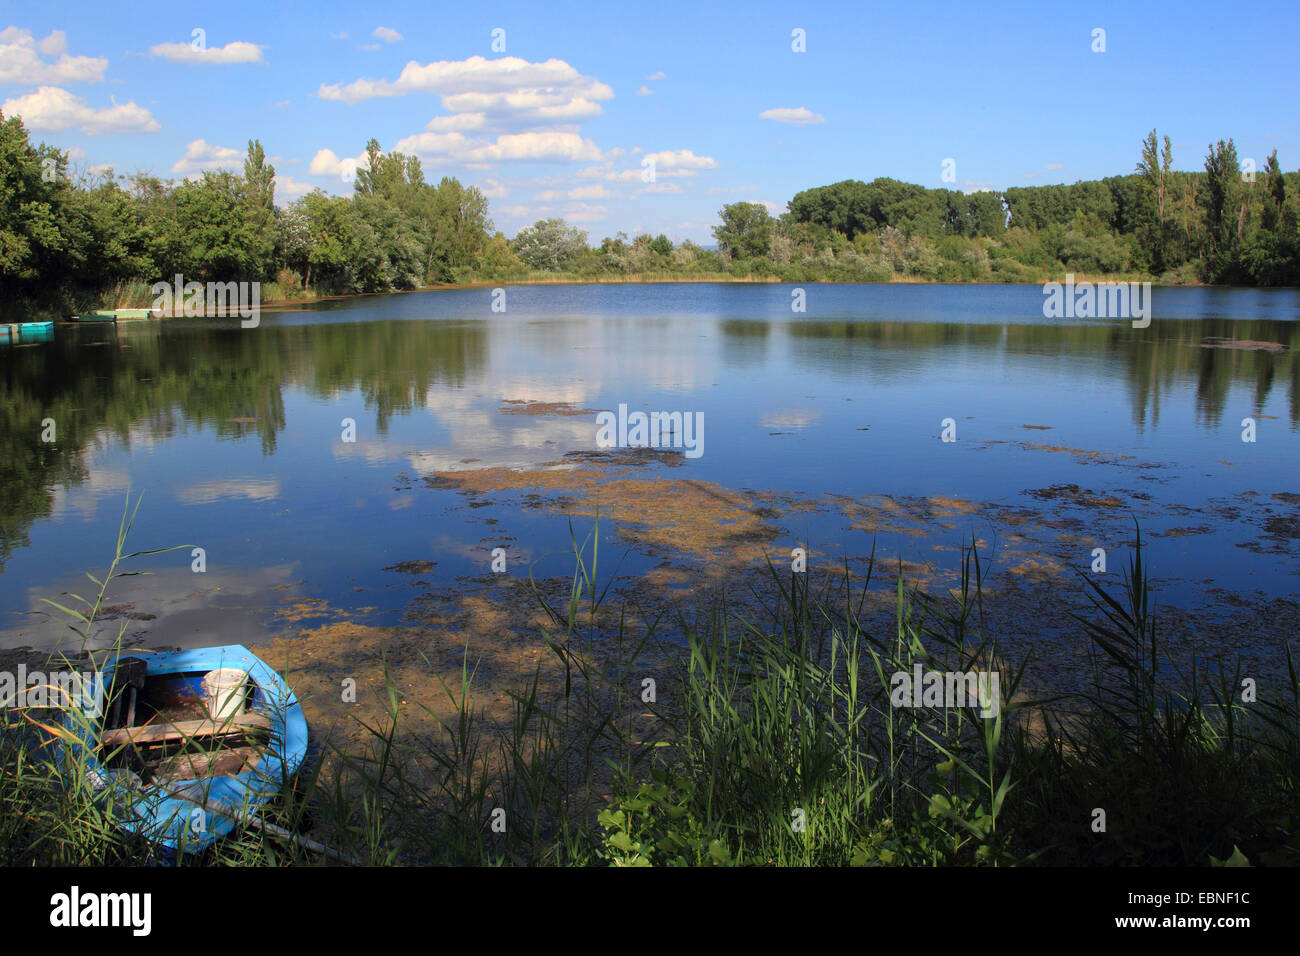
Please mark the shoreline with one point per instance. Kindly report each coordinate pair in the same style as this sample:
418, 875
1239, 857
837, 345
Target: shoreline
718, 279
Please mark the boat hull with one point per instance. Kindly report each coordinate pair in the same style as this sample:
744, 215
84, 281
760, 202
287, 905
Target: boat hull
125, 315
35, 331
118, 315
16, 333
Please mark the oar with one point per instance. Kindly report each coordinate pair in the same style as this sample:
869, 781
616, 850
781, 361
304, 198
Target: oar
269, 828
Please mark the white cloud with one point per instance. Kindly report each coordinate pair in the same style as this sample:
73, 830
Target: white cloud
201, 155
510, 110
474, 75
585, 213
387, 34
369, 47
610, 174
536, 147
435, 144
341, 35
799, 116
645, 91
524, 212
657, 76
591, 192
493, 189
254, 489
668, 164
53, 108
791, 418
539, 146
286, 187
525, 107
577, 192
21, 60
663, 188
326, 163
55, 44
237, 51
462, 121
508, 94
679, 159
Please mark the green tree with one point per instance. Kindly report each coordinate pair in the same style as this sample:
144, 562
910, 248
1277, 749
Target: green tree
460, 230
117, 232
496, 260
1155, 168
1224, 209
394, 258
218, 240
34, 191
549, 245
259, 201
333, 251
293, 238
746, 230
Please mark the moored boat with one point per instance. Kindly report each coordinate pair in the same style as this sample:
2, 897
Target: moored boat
118, 315
35, 331
188, 745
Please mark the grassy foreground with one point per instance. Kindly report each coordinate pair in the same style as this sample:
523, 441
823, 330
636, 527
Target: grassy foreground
769, 740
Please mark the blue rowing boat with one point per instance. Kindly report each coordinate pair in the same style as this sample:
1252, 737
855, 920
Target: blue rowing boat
35, 331
13, 333
182, 768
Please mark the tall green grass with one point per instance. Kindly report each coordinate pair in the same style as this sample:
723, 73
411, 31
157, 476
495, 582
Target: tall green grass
772, 740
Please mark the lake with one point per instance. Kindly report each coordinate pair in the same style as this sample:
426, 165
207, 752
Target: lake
359, 460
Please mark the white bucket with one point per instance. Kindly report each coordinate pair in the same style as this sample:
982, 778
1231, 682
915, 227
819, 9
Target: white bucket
227, 692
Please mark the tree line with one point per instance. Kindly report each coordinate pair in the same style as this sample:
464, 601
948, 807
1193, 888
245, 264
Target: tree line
64, 237
1226, 225
68, 239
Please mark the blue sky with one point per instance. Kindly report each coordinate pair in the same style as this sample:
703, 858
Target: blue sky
562, 122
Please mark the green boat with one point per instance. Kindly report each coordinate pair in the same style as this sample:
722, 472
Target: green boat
118, 315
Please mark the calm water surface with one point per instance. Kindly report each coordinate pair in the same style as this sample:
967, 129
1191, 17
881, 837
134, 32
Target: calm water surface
235, 436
